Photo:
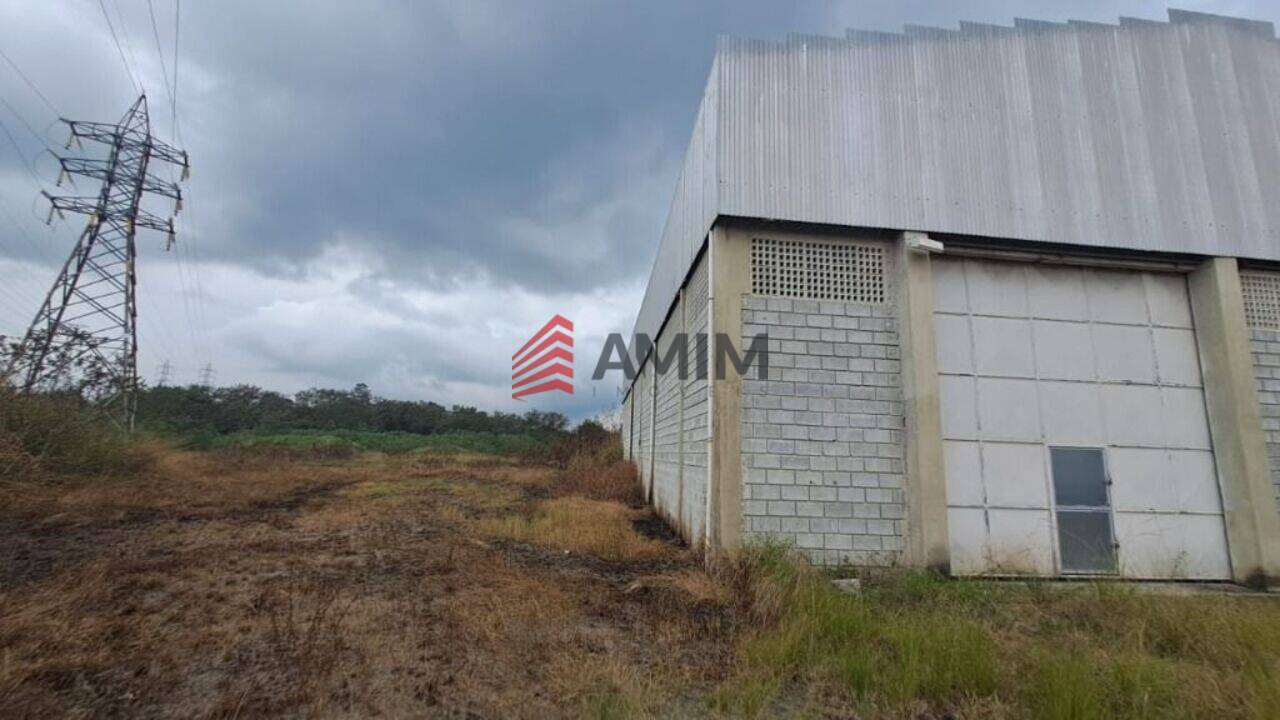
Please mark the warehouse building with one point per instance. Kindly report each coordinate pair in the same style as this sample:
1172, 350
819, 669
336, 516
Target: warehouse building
1021, 287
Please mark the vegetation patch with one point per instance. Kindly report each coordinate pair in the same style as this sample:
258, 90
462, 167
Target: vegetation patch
391, 443
44, 436
317, 574
912, 644
580, 525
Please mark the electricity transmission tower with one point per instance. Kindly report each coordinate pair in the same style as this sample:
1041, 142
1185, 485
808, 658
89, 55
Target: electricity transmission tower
206, 375
163, 372
88, 322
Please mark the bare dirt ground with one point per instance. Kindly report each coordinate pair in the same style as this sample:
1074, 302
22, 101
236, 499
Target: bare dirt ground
236, 585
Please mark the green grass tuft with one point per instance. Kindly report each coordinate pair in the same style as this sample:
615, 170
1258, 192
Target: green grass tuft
916, 644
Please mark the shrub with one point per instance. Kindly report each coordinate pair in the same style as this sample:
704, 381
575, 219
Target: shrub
593, 467
594, 477
47, 435
589, 438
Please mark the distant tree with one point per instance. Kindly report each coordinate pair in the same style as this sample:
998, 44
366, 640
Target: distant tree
248, 407
610, 419
593, 432
546, 421
361, 393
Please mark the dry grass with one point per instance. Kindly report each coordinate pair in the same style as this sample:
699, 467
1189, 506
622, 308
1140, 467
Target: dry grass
608, 479
588, 527
253, 585
449, 585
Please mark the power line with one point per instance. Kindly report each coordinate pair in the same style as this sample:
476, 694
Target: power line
155, 326
30, 84
43, 249
27, 125
116, 40
128, 44
17, 306
184, 284
93, 295
164, 337
193, 261
19, 303
173, 108
128, 58
164, 69
191, 246
45, 253
92, 306
173, 98
21, 155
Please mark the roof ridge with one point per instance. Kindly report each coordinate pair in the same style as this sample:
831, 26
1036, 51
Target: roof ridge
1190, 17
913, 33
927, 31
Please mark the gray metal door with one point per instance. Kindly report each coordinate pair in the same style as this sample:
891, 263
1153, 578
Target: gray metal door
1083, 505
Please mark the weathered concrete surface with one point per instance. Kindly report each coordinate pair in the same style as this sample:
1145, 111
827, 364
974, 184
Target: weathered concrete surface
1253, 528
928, 544
730, 280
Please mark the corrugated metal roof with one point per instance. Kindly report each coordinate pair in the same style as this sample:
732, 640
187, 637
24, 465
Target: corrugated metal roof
1143, 135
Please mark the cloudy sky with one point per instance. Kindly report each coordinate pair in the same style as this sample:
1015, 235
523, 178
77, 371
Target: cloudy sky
398, 193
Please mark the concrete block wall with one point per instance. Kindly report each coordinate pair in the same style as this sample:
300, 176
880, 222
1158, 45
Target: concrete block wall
666, 428
644, 411
666, 442
629, 439
696, 406
822, 439
1265, 345
625, 432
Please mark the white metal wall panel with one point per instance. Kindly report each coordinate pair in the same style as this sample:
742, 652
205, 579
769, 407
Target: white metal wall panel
1033, 356
1146, 136
1143, 135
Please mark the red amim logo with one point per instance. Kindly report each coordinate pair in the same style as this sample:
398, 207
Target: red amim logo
548, 354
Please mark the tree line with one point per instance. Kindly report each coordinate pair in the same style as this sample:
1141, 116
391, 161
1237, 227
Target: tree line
246, 407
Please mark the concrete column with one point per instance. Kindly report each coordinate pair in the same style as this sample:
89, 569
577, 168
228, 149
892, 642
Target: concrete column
927, 542
1239, 447
730, 280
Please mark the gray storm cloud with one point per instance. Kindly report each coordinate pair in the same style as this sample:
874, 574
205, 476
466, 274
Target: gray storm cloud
399, 192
